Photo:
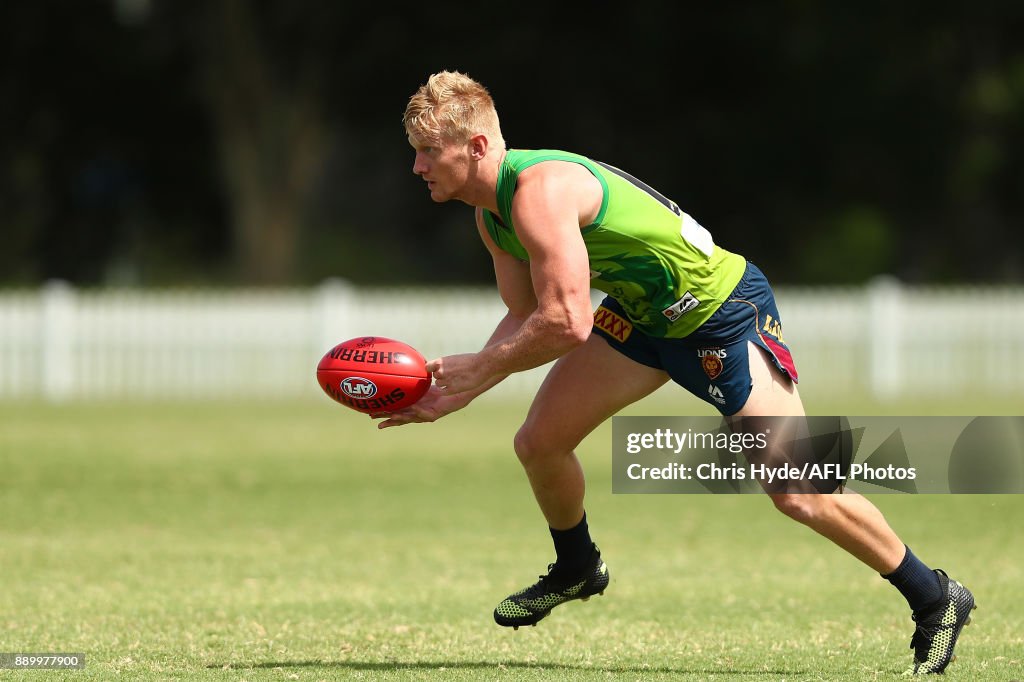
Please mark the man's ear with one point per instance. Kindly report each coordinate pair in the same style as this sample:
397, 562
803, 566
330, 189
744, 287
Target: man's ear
478, 145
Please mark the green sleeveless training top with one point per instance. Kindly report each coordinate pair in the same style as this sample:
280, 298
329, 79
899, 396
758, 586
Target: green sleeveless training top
653, 258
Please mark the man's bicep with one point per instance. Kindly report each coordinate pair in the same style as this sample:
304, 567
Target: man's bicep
511, 274
515, 284
559, 262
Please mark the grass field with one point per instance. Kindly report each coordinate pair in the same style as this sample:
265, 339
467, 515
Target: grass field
296, 542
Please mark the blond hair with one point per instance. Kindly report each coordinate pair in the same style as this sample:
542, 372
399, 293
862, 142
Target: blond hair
451, 107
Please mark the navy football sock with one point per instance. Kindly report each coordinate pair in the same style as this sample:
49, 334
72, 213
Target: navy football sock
916, 582
572, 547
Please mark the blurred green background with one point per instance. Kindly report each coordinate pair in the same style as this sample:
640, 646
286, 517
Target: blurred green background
187, 506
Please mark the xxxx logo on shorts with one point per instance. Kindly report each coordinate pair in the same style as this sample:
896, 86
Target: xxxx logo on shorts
615, 325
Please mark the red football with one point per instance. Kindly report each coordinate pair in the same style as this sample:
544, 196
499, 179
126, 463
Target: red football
373, 374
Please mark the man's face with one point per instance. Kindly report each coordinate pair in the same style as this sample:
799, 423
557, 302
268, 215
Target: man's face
444, 167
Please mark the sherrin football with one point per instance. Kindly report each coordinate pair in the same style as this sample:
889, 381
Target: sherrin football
373, 374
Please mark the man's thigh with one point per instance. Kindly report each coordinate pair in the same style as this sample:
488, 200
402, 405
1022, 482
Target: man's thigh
772, 393
584, 388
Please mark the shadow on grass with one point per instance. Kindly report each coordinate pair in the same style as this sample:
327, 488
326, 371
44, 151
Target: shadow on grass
396, 666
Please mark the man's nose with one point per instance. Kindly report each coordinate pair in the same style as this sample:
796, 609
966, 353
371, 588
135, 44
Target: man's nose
419, 166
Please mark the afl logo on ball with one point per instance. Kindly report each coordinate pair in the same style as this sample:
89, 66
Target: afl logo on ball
358, 387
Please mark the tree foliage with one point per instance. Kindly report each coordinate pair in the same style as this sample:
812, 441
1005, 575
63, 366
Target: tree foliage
160, 141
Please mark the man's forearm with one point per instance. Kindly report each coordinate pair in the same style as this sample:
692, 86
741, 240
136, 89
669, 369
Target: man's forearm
533, 342
508, 326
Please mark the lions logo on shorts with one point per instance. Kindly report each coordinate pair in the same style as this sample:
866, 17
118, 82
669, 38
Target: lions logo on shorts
711, 360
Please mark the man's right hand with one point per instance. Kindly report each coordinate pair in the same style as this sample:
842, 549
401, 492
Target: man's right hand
435, 404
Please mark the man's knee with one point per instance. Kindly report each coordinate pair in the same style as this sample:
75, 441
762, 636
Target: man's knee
802, 507
526, 444
533, 443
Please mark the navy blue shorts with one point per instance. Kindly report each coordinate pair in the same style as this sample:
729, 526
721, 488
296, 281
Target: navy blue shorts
712, 362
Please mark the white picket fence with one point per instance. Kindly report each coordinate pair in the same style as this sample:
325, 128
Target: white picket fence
58, 343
